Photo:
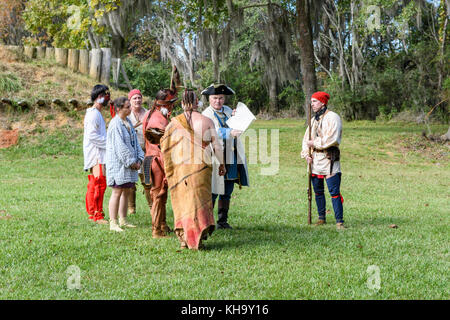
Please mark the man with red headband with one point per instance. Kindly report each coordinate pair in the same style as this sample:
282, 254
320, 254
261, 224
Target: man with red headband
137, 117
94, 151
154, 124
326, 134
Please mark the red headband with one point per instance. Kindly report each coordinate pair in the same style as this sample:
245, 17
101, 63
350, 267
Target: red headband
133, 92
321, 96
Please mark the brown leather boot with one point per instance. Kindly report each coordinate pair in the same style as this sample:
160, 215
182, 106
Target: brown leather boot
158, 234
320, 223
340, 226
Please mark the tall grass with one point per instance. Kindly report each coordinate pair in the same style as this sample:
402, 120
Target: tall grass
9, 82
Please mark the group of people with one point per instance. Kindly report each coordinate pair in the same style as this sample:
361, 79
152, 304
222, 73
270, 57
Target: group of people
194, 155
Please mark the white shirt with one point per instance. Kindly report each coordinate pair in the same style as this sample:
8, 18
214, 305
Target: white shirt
139, 132
325, 133
94, 139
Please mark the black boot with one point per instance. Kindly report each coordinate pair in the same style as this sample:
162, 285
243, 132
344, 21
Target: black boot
223, 207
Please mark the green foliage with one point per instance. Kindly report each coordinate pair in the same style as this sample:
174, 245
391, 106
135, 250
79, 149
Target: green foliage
193, 16
65, 23
148, 76
293, 97
144, 46
9, 82
244, 81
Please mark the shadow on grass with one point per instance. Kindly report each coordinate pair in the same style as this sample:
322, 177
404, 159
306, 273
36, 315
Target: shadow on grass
284, 236
275, 237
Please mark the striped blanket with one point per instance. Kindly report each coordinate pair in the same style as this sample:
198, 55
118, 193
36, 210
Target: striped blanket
187, 163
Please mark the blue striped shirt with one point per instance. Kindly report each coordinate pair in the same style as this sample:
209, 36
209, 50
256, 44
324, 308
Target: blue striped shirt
122, 150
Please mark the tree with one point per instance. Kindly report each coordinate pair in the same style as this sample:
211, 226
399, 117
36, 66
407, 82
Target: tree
11, 23
305, 44
84, 23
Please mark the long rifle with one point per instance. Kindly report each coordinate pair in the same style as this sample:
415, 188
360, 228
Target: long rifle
309, 167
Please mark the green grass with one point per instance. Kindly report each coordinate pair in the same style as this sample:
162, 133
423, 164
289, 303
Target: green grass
9, 82
390, 176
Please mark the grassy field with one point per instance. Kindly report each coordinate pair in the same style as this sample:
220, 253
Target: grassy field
390, 176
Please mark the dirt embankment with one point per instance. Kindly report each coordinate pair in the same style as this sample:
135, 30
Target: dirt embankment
34, 80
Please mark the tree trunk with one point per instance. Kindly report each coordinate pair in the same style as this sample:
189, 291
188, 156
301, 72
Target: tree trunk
61, 56
325, 52
273, 97
95, 68
446, 136
30, 52
49, 53
118, 44
305, 44
83, 64
73, 59
215, 55
442, 39
106, 65
40, 52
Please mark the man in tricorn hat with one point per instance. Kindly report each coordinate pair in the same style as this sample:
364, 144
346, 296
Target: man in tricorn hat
235, 161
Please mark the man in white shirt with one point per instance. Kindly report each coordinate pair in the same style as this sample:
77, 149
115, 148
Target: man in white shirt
94, 151
326, 134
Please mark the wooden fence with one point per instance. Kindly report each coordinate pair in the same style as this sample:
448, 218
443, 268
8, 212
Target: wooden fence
96, 63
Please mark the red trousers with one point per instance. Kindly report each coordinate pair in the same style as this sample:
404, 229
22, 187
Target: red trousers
94, 196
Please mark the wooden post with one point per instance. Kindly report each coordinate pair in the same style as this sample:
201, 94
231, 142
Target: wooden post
61, 56
30, 52
127, 81
40, 52
49, 53
106, 65
116, 71
95, 67
83, 64
73, 59
18, 49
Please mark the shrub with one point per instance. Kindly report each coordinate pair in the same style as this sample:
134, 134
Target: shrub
148, 76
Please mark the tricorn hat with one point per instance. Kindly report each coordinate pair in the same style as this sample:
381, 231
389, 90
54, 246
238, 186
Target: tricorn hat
217, 89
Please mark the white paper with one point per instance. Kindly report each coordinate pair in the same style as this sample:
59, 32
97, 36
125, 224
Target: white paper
241, 119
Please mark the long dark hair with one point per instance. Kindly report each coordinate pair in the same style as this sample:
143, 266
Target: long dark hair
188, 100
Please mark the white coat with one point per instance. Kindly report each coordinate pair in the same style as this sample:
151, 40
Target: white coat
218, 182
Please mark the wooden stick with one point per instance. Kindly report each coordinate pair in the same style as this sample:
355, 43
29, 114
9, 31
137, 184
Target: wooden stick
309, 168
